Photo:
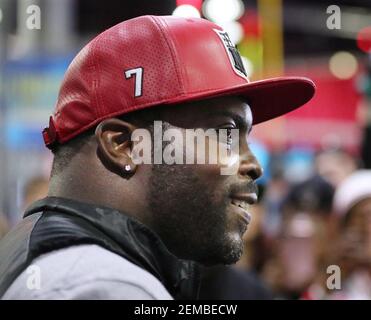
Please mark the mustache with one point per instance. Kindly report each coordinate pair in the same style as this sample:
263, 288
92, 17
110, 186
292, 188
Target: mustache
250, 187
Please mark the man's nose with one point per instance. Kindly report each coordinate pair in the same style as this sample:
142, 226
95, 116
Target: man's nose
250, 167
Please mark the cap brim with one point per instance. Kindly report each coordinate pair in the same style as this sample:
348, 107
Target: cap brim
268, 98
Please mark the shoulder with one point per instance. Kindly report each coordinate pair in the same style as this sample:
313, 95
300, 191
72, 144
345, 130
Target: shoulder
85, 272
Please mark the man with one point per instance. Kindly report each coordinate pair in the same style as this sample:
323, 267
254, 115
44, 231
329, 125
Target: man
111, 228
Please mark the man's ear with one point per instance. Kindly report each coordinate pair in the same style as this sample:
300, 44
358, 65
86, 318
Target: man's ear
115, 146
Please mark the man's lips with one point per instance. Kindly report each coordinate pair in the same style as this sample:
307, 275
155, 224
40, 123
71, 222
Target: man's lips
249, 198
242, 201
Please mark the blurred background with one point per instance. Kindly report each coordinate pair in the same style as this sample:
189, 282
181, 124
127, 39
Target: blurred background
305, 221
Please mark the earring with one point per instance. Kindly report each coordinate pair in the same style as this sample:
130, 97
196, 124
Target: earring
127, 168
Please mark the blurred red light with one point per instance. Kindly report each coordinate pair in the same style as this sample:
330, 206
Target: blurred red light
196, 3
364, 39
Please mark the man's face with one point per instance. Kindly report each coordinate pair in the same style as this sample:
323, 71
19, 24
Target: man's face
359, 226
199, 213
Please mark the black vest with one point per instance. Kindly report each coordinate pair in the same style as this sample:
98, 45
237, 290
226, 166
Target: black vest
54, 223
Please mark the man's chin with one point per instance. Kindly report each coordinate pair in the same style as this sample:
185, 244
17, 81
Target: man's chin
233, 250
229, 252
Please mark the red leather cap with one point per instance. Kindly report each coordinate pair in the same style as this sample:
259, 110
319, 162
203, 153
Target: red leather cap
153, 60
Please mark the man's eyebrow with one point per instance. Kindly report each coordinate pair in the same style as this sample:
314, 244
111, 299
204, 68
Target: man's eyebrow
238, 119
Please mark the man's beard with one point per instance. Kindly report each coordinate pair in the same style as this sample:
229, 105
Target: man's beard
190, 217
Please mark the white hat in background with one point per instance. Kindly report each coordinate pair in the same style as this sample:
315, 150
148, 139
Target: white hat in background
351, 191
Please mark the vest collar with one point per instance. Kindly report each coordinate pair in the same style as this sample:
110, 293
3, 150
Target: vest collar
138, 242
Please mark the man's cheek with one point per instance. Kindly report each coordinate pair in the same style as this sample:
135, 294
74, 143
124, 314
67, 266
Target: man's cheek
209, 173
230, 165
216, 185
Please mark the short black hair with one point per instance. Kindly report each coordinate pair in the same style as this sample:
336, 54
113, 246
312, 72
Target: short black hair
313, 194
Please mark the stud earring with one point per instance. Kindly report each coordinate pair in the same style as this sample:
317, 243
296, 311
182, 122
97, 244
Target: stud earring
127, 168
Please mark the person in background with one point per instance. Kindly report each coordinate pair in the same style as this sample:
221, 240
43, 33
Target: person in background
297, 253
276, 191
352, 251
